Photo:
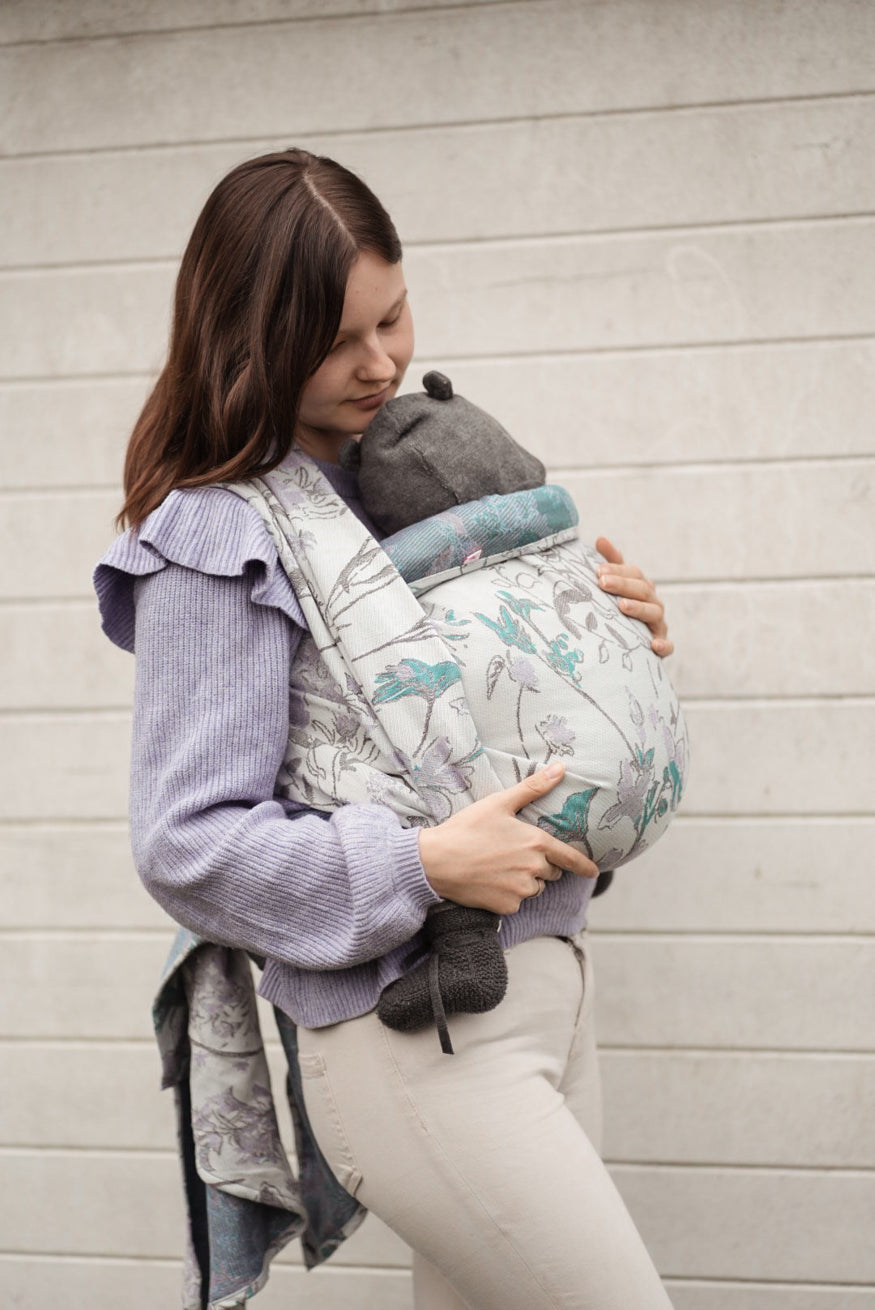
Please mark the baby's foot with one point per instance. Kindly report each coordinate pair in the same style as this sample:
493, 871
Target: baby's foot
465, 973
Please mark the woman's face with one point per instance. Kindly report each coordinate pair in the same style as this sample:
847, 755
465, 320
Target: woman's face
366, 364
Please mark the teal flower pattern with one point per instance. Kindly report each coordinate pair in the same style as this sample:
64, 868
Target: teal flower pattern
416, 678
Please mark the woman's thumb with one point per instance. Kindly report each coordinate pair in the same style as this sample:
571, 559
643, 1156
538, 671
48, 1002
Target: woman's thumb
538, 784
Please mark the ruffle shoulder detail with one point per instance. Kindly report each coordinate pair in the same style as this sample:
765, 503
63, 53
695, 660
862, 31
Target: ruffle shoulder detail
209, 529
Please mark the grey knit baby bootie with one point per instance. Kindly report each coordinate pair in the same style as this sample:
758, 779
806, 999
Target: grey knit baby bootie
465, 973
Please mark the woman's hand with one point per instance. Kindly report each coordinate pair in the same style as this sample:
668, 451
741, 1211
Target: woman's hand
485, 857
637, 595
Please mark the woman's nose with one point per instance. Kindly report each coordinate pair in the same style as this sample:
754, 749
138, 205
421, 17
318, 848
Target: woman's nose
376, 362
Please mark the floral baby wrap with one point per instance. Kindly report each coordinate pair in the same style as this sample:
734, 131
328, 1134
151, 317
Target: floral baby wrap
461, 654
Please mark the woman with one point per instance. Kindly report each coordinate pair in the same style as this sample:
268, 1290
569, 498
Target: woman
292, 326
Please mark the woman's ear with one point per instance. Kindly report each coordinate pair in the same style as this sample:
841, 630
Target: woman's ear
350, 455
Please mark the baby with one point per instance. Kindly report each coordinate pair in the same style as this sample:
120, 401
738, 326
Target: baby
506, 656
550, 664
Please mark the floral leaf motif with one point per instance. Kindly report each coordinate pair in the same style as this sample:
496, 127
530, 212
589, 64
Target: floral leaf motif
247, 1128
570, 824
493, 672
416, 678
562, 659
509, 630
520, 605
568, 597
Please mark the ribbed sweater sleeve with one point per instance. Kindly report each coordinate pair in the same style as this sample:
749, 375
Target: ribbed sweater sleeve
212, 844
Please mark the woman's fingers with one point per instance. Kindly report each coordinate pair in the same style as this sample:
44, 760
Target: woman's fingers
556, 855
633, 586
486, 857
609, 550
531, 788
561, 856
636, 594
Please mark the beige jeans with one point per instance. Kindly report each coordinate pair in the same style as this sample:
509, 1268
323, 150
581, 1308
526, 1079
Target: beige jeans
486, 1162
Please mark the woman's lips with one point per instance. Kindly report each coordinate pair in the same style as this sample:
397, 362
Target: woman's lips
368, 403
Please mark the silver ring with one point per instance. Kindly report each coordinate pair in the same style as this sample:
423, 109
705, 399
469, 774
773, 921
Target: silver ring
542, 883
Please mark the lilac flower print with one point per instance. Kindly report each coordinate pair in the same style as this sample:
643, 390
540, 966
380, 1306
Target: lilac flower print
632, 787
440, 777
523, 672
380, 787
248, 1129
556, 735
676, 769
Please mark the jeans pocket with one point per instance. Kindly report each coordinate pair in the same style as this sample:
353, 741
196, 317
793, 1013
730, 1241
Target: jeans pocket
326, 1121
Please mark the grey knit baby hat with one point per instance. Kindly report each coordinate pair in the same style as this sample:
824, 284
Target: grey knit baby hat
423, 453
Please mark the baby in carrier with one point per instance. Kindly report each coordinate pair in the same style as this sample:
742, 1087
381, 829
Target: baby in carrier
530, 648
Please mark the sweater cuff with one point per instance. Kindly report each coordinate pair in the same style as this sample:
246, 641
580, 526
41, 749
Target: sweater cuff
410, 879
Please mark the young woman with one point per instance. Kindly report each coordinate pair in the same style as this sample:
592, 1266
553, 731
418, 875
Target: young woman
292, 328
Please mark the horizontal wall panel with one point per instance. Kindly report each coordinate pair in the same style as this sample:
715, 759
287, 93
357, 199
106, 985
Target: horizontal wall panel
743, 1224
746, 760
34, 1283
112, 1094
805, 520
85, 321
768, 645
773, 639
664, 169
579, 293
84, 986
763, 994
141, 1285
83, 670
798, 1224
461, 65
661, 1107
813, 280
709, 1295
587, 411
67, 767
111, 1097
777, 759
738, 1109
72, 876
68, 434
51, 542
826, 512
768, 875
771, 993
22, 20
670, 406
121, 1204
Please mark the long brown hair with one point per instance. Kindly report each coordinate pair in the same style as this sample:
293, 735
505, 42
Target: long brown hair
259, 299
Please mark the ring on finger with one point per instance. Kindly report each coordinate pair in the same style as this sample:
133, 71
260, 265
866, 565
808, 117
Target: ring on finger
541, 885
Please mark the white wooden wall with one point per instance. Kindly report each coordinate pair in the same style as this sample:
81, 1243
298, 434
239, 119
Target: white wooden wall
641, 231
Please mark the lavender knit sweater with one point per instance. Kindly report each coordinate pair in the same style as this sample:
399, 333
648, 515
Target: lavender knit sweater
334, 904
